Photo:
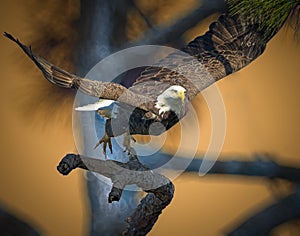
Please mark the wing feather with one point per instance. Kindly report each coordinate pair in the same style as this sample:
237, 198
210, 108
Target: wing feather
230, 44
99, 89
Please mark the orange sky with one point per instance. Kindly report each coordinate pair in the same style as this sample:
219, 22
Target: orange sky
262, 107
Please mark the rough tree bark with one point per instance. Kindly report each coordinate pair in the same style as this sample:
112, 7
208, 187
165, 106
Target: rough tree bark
160, 190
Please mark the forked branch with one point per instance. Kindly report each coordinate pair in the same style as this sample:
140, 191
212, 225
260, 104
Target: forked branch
159, 189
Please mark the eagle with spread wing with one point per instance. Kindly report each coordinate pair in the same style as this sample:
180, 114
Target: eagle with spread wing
160, 94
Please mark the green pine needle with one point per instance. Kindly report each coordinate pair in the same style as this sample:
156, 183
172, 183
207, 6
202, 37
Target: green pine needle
271, 14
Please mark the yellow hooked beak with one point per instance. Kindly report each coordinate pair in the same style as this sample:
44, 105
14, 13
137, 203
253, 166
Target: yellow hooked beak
182, 95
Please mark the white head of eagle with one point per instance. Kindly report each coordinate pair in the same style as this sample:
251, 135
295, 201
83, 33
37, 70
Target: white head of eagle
171, 99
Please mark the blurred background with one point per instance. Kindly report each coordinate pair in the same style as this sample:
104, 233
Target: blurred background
262, 108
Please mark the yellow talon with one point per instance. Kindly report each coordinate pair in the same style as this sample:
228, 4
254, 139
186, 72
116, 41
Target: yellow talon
106, 140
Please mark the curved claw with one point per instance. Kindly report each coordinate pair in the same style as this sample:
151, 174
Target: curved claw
106, 140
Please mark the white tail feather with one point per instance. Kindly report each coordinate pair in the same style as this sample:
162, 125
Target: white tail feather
95, 106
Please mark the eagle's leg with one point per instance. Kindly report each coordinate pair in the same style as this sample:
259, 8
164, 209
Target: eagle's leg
126, 142
106, 140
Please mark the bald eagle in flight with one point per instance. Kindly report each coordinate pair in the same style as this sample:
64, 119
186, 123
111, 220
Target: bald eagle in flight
160, 94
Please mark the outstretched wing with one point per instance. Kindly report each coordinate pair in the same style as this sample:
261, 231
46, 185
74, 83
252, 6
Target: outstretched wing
230, 44
62, 78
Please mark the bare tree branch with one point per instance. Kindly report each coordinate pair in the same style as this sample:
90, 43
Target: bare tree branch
141, 13
263, 222
12, 224
147, 212
163, 35
262, 166
160, 190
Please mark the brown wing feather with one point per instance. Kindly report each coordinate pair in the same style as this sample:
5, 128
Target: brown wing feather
230, 44
52, 73
62, 78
